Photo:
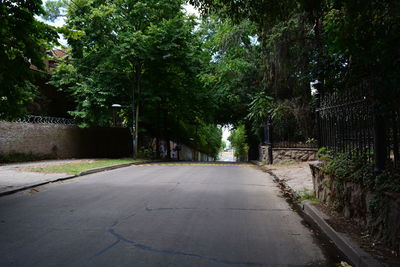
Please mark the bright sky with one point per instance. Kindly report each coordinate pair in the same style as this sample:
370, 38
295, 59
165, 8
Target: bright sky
226, 132
191, 10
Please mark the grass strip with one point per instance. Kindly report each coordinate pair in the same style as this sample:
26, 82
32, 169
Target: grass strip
77, 168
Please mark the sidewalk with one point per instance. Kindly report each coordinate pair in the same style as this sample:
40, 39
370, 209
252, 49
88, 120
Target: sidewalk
16, 177
296, 176
296, 180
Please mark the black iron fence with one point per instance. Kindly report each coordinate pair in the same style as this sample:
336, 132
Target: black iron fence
345, 123
355, 122
285, 134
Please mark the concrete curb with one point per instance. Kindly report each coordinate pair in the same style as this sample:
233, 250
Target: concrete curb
353, 252
108, 168
350, 249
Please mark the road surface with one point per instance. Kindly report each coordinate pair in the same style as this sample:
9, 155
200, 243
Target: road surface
157, 215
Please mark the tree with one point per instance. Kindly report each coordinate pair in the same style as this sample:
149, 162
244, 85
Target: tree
238, 139
338, 42
343, 44
367, 34
233, 69
24, 41
285, 62
146, 50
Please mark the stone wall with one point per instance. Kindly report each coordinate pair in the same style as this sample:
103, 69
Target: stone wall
63, 141
379, 215
351, 197
68, 141
285, 154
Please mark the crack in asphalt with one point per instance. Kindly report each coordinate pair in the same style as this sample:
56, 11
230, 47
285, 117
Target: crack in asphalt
121, 238
179, 253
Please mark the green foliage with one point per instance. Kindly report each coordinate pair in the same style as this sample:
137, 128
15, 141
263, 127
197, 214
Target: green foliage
203, 137
260, 108
339, 42
54, 9
223, 145
280, 64
307, 195
149, 50
324, 154
23, 41
368, 32
232, 72
114, 57
238, 139
344, 167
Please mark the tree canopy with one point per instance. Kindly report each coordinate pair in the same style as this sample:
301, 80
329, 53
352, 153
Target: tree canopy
343, 44
142, 49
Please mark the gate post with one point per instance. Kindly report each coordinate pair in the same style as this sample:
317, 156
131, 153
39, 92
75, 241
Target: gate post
269, 141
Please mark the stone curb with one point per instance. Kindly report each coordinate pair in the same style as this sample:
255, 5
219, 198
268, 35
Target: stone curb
354, 253
102, 169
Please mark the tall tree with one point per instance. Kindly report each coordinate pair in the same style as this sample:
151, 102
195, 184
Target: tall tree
144, 50
233, 69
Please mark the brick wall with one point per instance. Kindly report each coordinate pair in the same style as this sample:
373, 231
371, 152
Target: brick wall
63, 141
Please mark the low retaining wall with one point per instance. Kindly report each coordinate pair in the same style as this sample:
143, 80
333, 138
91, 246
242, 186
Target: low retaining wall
379, 214
63, 141
285, 154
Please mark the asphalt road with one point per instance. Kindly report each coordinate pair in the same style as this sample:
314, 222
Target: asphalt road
168, 215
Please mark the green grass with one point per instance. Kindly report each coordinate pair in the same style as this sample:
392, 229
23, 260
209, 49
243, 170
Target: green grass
307, 195
76, 168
